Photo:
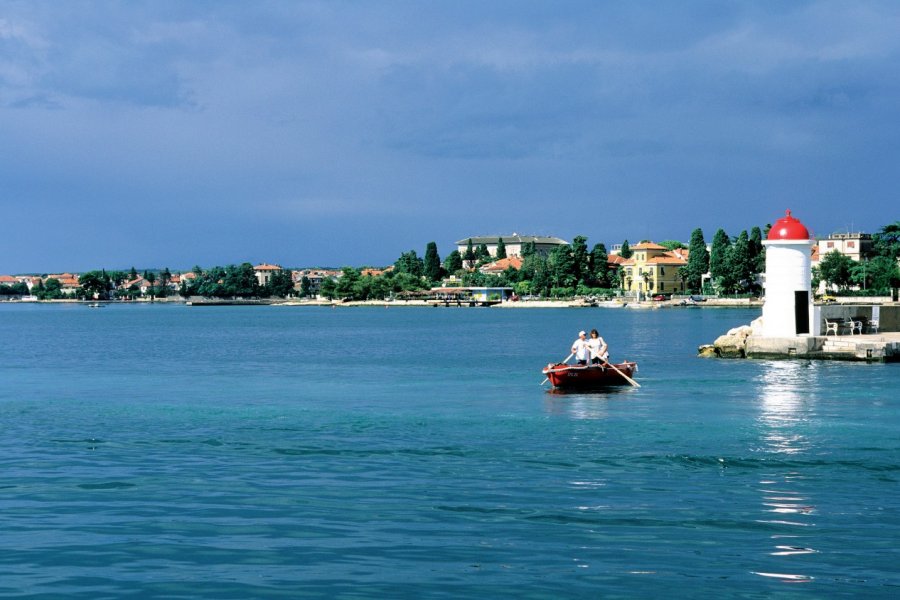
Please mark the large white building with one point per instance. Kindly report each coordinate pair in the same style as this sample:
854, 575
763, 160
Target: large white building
514, 243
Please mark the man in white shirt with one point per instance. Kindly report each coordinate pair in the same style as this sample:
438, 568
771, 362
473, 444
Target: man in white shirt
581, 350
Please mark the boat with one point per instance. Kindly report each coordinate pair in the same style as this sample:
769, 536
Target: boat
563, 375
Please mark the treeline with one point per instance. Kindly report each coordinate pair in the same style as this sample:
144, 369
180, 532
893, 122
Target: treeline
876, 274
733, 264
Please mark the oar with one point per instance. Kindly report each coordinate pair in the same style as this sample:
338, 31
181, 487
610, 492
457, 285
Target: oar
563, 362
614, 368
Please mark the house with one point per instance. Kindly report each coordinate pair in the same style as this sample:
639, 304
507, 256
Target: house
315, 277
264, 272
500, 266
653, 269
855, 245
514, 244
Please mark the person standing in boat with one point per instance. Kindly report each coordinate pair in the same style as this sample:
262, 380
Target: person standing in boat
598, 348
580, 349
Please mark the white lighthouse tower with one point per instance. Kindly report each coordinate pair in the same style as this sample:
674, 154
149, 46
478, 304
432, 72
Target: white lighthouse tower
787, 311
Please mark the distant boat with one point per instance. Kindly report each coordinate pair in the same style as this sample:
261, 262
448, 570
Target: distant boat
96, 305
563, 375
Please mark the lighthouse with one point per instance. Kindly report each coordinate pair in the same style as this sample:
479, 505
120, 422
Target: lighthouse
787, 311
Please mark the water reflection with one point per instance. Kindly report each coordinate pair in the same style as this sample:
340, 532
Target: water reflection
784, 411
582, 404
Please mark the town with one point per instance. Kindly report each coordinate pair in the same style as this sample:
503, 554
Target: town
502, 268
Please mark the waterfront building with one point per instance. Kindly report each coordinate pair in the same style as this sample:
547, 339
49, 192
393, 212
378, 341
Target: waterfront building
652, 269
264, 272
514, 244
854, 245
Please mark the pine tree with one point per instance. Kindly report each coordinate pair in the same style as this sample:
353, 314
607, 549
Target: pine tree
453, 262
432, 262
698, 262
625, 251
501, 249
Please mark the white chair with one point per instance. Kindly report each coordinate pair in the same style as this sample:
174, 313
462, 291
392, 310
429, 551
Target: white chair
873, 325
855, 326
831, 326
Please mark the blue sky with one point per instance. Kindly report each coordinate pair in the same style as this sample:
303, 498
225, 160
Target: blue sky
330, 133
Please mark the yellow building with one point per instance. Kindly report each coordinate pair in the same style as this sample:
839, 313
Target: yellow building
653, 269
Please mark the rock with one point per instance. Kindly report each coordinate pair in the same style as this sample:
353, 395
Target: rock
707, 351
731, 346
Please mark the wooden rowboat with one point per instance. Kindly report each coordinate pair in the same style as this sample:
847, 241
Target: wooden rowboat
563, 375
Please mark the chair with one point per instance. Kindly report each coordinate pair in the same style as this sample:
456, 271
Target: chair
855, 324
831, 326
873, 325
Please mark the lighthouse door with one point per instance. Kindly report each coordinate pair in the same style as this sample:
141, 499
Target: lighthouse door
801, 311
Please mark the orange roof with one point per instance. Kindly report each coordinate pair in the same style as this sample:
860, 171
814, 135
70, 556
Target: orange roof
615, 259
266, 267
8, 279
503, 264
648, 246
666, 260
371, 272
189, 275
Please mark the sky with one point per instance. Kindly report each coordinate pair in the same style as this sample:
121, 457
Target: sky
173, 134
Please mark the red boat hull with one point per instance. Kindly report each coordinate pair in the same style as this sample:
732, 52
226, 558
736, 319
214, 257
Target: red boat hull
575, 376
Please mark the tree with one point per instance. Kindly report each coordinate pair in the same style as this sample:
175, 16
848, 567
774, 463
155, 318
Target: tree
599, 265
738, 270
887, 240
93, 284
501, 249
280, 284
718, 255
327, 288
410, 263
580, 264
432, 263
834, 269
453, 262
305, 286
481, 254
132, 275
345, 286
757, 251
469, 256
697, 263
672, 244
561, 264
625, 250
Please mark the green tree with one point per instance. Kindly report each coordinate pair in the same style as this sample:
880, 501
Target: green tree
305, 287
697, 263
501, 248
347, 282
580, 267
132, 275
718, 256
561, 264
327, 288
887, 241
280, 284
482, 255
625, 250
469, 255
432, 263
757, 251
93, 284
599, 266
410, 263
738, 270
453, 262
835, 268
878, 274
672, 244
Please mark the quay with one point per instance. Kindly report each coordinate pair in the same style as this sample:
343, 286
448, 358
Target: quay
868, 347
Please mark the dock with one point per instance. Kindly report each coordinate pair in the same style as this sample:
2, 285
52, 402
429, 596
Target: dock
875, 347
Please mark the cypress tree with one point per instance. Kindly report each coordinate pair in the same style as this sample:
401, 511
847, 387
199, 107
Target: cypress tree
432, 262
718, 254
757, 251
501, 249
453, 262
625, 251
599, 267
470, 253
698, 261
581, 268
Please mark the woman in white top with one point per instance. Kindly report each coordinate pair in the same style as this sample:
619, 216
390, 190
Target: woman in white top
598, 348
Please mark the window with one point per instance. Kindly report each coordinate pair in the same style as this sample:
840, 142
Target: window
662, 270
829, 245
851, 244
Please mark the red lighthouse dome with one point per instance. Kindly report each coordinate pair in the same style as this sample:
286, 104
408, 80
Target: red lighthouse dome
788, 228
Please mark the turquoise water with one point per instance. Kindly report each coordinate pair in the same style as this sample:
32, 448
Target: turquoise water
258, 452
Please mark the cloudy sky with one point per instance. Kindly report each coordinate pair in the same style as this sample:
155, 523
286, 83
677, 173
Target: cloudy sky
330, 133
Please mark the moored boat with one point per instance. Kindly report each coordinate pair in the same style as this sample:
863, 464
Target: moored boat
563, 375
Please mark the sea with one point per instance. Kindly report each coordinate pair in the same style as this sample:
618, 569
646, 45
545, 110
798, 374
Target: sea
169, 451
